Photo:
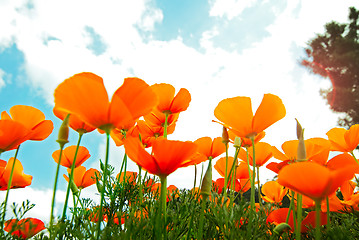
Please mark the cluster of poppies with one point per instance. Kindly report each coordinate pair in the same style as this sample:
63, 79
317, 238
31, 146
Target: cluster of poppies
140, 117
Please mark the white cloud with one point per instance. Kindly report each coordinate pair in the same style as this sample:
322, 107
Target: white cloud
2, 78
229, 8
42, 199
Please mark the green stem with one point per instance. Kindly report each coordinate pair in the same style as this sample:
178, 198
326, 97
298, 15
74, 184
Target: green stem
233, 165
71, 176
291, 204
195, 176
54, 190
165, 126
201, 218
104, 181
328, 214
253, 200
259, 189
8, 187
163, 201
299, 216
225, 174
318, 234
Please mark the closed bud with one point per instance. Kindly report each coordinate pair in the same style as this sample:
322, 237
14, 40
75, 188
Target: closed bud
225, 137
281, 228
301, 151
74, 188
237, 142
64, 132
206, 187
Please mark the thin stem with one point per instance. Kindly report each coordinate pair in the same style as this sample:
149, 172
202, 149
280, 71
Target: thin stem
54, 190
299, 216
259, 189
201, 217
318, 234
163, 201
253, 176
8, 187
225, 174
328, 214
165, 126
104, 181
195, 176
71, 176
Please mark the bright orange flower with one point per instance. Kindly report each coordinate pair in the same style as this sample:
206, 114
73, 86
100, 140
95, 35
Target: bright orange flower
317, 150
168, 102
241, 168
273, 192
12, 134
128, 176
263, 152
84, 95
279, 216
157, 118
83, 178
300, 177
33, 119
246, 142
167, 155
344, 140
74, 122
236, 114
149, 133
343, 160
219, 185
24, 228
208, 148
68, 156
19, 179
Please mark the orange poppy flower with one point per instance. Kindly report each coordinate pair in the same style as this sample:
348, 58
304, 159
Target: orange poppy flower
246, 142
263, 153
167, 155
343, 160
300, 177
84, 95
208, 148
241, 168
33, 119
68, 156
19, 179
236, 114
24, 228
157, 118
279, 216
168, 102
83, 178
12, 134
74, 122
219, 185
273, 192
128, 176
344, 140
149, 133
317, 150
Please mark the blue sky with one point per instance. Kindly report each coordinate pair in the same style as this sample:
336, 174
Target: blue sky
216, 49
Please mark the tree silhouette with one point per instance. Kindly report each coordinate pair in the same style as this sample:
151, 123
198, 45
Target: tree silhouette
335, 55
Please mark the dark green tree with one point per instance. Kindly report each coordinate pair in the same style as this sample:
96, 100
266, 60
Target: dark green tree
335, 55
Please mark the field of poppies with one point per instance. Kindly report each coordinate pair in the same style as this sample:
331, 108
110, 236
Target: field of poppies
313, 195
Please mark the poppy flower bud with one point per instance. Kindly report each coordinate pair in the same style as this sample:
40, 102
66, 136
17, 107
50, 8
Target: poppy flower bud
74, 188
225, 137
237, 142
281, 228
64, 132
301, 152
207, 181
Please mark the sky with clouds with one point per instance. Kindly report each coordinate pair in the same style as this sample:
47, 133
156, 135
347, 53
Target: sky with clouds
215, 48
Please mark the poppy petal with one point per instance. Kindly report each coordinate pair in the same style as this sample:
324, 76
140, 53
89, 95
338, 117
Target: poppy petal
269, 111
